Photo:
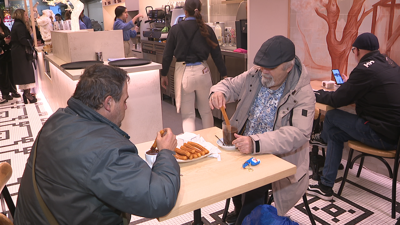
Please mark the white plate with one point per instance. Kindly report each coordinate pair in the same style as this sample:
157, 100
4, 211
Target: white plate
191, 160
219, 143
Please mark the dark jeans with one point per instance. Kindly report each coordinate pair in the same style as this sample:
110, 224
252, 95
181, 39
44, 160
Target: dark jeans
245, 203
340, 127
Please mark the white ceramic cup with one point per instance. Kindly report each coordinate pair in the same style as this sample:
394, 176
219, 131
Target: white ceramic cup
150, 159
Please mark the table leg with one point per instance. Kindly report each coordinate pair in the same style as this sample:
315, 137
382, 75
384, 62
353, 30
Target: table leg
197, 217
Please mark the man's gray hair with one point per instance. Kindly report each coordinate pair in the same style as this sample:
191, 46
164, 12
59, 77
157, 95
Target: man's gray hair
286, 65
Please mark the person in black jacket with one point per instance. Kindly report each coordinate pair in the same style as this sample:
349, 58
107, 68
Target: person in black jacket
7, 85
374, 86
21, 39
191, 41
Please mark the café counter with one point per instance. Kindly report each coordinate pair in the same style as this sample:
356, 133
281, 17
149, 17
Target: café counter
143, 117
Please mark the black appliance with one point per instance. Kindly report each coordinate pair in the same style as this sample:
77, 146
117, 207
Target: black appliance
241, 33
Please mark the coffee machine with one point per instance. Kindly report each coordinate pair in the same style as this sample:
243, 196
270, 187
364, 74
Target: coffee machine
178, 14
159, 21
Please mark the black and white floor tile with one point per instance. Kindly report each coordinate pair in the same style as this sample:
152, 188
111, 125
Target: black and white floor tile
365, 200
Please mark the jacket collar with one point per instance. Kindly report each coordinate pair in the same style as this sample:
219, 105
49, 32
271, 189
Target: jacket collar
86, 112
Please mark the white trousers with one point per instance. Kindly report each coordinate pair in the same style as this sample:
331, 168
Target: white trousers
127, 49
196, 84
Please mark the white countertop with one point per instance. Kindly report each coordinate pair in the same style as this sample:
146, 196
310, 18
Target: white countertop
75, 74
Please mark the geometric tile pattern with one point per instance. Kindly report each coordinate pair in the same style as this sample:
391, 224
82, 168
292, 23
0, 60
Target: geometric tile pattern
365, 200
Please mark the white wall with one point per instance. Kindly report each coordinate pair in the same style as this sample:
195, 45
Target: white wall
266, 18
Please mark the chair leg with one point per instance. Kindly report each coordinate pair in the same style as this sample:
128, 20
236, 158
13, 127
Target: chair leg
308, 209
394, 184
9, 201
346, 171
361, 166
226, 209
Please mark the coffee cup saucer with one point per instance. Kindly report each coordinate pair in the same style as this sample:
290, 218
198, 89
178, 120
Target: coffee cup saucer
219, 143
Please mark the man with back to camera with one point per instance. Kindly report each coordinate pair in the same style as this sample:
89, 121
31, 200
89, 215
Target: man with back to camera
86, 20
275, 112
374, 86
87, 171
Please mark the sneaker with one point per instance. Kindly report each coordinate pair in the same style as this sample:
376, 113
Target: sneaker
321, 191
231, 218
317, 140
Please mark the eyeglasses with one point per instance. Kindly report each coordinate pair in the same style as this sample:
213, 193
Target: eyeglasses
352, 49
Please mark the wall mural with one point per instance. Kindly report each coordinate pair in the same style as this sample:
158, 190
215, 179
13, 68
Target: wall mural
324, 30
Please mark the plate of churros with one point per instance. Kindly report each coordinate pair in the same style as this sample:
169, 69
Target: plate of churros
191, 151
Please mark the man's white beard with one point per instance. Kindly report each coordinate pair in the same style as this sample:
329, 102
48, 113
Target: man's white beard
267, 80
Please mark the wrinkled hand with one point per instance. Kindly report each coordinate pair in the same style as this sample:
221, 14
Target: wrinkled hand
217, 100
164, 82
168, 141
243, 143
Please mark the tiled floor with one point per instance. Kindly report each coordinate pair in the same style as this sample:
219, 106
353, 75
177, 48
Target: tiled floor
365, 200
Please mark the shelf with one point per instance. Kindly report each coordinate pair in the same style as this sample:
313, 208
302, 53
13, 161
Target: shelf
232, 2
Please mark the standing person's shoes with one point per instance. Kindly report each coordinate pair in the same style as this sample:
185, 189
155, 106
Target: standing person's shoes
7, 97
321, 191
317, 140
2, 101
15, 95
30, 98
231, 218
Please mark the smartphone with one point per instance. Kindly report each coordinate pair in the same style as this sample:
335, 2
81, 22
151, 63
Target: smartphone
338, 77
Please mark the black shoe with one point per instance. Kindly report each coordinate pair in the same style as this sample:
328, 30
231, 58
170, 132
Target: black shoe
231, 218
26, 99
15, 95
2, 101
321, 191
7, 97
317, 140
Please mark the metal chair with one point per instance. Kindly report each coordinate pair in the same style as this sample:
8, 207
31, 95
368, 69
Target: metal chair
378, 154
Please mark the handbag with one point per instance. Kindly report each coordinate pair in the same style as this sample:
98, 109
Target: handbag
30, 51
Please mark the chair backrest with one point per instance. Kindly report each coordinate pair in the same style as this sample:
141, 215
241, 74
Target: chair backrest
5, 174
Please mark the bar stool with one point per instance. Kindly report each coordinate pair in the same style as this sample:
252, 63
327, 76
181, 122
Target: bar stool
366, 150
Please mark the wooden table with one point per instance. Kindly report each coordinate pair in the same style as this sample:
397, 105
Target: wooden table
207, 181
317, 85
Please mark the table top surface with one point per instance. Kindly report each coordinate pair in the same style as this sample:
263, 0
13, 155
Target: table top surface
207, 181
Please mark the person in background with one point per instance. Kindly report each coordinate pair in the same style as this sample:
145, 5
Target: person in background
275, 114
374, 86
22, 68
82, 25
67, 15
58, 17
191, 42
86, 20
86, 168
7, 85
121, 15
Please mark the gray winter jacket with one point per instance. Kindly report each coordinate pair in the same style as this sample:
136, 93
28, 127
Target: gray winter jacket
292, 126
88, 172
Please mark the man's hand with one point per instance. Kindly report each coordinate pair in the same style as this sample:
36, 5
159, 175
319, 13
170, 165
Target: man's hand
243, 143
217, 100
164, 82
168, 141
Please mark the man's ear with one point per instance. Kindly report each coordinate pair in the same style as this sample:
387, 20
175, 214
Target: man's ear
108, 103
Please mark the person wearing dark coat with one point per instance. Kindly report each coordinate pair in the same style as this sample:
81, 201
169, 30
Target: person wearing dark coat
7, 85
21, 39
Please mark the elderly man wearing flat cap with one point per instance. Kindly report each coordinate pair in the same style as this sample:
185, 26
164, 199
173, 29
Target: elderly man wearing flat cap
275, 113
374, 86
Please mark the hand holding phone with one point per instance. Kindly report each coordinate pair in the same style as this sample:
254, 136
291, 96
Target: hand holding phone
338, 77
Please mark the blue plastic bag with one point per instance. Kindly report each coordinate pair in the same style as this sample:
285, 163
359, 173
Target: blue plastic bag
266, 215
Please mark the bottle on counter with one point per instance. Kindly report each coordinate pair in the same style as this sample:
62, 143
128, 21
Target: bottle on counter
218, 33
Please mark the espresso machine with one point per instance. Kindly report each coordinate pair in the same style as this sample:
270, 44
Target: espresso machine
159, 21
241, 33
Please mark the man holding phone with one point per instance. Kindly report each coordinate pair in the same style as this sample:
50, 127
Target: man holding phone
374, 86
